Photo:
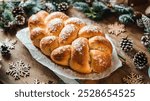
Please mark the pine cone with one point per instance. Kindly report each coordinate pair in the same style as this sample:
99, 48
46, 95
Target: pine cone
140, 60
145, 40
18, 11
4, 50
63, 6
126, 44
20, 20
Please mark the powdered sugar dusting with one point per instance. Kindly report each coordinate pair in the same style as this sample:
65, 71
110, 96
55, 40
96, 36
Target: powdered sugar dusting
54, 24
51, 39
79, 44
100, 60
76, 21
67, 31
37, 30
91, 28
62, 49
34, 18
59, 15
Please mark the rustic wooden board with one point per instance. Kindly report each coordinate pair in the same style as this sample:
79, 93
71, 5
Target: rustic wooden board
43, 74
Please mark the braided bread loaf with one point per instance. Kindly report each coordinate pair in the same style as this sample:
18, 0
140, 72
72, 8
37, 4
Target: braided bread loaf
70, 42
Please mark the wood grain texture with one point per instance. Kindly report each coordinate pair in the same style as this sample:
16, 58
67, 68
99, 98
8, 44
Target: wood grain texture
44, 74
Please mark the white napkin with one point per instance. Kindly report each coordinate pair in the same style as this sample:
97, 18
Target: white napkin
23, 36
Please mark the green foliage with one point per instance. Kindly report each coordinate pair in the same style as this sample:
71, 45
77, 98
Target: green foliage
126, 19
32, 6
100, 9
94, 15
6, 5
82, 7
99, 6
7, 14
73, 1
122, 10
1, 24
59, 1
148, 49
96, 12
147, 30
149, 72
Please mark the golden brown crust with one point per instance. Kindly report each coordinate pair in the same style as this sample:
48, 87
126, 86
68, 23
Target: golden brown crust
42, 14
70, 42
90, 31
54, 15
80, 56
68, 34
35, 21
100, 43
76, 21
55, 26
48, 44
61, 55
36, 35
100, 61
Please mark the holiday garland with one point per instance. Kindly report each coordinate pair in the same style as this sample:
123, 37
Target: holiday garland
98, 10
15, 14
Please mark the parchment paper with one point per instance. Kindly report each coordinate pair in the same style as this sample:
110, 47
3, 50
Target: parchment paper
23, 36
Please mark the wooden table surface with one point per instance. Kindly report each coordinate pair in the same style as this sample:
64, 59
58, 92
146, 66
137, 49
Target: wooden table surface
44, 74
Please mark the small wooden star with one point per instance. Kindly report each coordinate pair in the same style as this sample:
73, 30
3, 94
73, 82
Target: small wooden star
37, 81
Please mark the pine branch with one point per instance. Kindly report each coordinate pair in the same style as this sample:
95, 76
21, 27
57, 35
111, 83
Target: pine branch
7, 15
126, 19
99, 6
73, 1
82, 6
1, 24
32, 6
122, 10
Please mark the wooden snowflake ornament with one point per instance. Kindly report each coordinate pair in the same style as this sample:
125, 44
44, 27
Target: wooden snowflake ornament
133, 79
7, 45
18, 69
116, 28
37, 81
10, 43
